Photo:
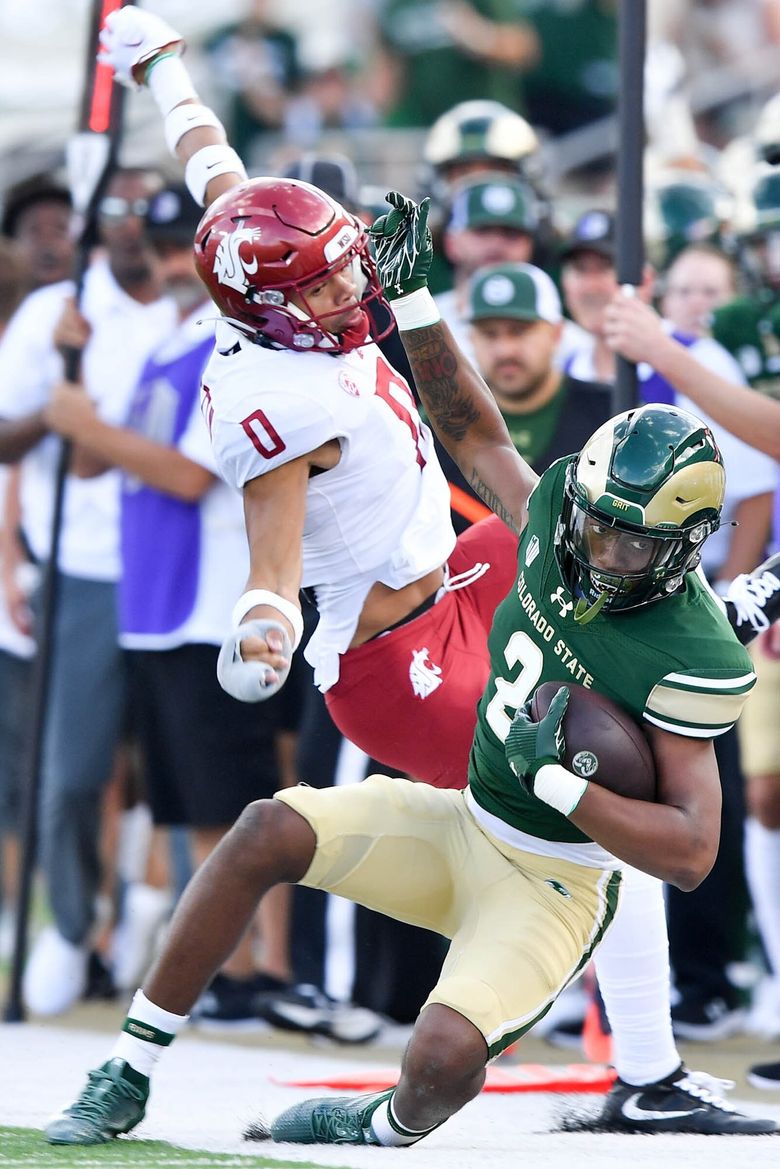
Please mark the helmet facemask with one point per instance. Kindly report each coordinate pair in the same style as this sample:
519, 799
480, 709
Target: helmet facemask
639, 502
300, 326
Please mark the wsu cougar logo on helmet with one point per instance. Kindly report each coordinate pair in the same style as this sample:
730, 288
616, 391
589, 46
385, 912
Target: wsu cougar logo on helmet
229, 268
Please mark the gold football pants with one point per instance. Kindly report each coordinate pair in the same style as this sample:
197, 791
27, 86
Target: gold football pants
521, 926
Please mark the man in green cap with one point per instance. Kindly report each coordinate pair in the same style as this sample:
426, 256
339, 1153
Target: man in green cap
493, 220
515, 318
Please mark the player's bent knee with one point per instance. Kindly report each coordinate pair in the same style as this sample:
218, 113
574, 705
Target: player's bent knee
445, 1048
274, 836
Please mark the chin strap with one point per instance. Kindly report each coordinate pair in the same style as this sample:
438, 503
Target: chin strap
356, 336
583, 613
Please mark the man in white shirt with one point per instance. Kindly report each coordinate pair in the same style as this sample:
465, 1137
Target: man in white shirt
124, 317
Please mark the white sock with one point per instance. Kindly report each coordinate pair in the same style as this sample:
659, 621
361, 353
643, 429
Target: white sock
632, 965
146, 1033
388, 1130
762, 868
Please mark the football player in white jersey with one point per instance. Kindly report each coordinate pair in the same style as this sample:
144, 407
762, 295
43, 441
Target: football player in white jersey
343, 493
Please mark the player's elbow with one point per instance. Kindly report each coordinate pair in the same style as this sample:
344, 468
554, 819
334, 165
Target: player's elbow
693, 866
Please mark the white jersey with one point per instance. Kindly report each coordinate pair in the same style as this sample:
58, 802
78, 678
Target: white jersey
381, 515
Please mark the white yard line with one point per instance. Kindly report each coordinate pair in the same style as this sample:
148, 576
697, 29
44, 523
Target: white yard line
206, 1093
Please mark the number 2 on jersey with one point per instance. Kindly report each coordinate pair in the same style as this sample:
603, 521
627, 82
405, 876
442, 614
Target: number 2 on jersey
511, 695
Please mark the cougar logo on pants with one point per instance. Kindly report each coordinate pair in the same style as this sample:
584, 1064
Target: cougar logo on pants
423, 674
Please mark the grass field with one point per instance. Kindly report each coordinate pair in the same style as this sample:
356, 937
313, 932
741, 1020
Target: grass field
25, 1147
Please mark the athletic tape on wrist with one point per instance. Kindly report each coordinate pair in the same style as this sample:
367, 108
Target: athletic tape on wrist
559, 787
209, 163
188, 117
265, 597
169, 82
415, 310
252, 680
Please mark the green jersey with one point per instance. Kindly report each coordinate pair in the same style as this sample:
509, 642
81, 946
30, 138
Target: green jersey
675, 663
749, 327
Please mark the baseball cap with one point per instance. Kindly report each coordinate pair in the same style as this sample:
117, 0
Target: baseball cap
173, 215
494, 201
594, 231
335, 174
519, 292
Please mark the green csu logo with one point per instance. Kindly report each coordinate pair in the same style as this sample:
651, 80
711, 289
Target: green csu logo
585, 763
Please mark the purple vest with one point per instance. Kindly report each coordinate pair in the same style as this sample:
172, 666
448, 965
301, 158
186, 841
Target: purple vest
658, 389
655, 388
160, 535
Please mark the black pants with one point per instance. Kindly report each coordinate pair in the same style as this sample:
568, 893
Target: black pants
707, 928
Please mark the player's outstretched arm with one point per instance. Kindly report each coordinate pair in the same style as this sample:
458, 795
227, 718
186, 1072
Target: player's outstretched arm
459, 404
634, 330
144, 50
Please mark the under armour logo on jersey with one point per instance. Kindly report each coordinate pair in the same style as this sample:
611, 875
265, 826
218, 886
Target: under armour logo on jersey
532, 551
557, 598
558, 887
229, 268
423, 674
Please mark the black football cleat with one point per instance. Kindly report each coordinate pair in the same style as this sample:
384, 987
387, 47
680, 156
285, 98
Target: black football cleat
764, 1075
685, 1102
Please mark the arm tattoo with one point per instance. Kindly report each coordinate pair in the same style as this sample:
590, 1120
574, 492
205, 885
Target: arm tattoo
434, 364
494, 503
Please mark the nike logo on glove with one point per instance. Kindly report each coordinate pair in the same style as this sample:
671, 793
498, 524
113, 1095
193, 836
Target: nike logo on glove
632, 1111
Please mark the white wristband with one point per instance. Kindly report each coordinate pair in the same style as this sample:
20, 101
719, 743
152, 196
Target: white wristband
209, 163
188, 117
265, 597
169, 83
559, 787
415, 310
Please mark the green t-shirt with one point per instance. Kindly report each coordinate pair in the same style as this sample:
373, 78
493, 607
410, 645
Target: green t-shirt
273, 53
532, 433
749, 327
576, 78
437, 73
675, 663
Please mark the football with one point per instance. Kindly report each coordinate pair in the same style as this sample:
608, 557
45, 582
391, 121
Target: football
603, 743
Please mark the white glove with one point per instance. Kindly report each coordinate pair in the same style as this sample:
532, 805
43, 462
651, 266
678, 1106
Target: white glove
131, 38
252, 681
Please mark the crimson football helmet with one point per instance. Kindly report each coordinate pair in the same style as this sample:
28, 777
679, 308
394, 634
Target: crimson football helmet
269, 238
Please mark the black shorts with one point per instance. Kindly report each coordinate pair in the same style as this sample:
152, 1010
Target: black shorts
206, 755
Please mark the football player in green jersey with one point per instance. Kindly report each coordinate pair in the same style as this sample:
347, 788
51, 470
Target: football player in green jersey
522, 871
749, 325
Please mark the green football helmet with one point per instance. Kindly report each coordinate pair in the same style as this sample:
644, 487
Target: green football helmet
760, 229
766, 133
640, 499
691, 209
766, 200
484, 131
